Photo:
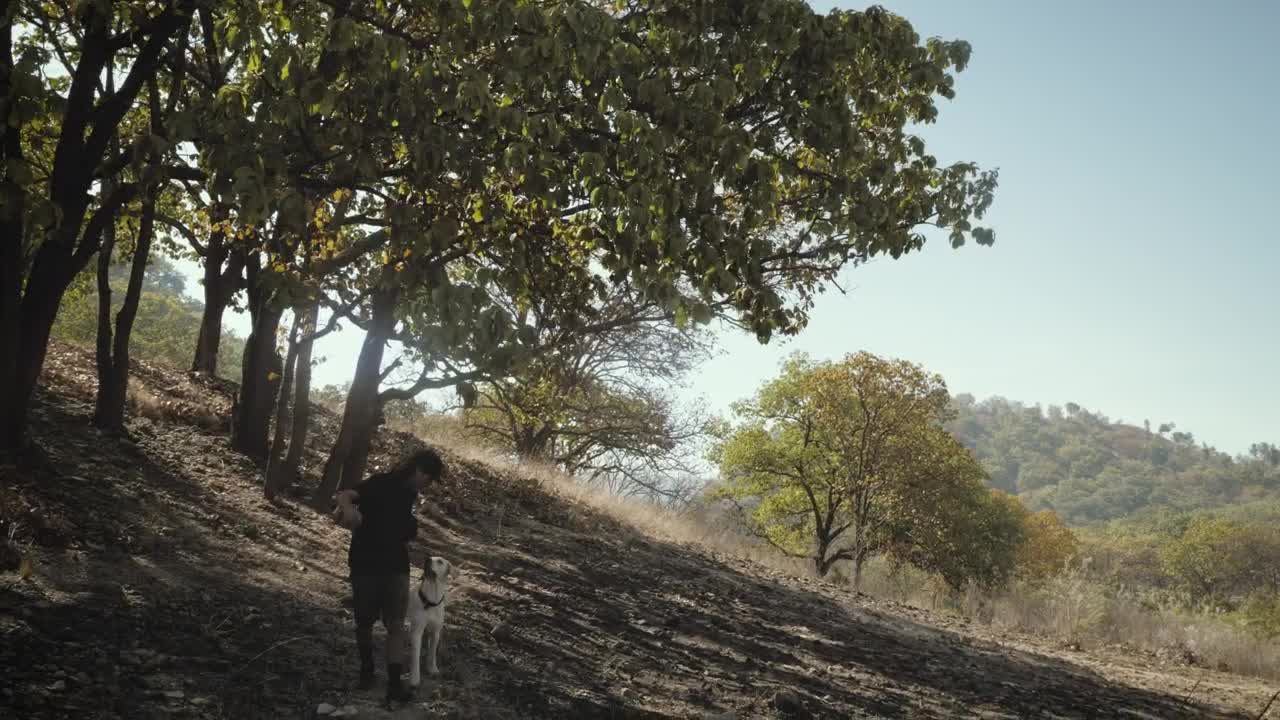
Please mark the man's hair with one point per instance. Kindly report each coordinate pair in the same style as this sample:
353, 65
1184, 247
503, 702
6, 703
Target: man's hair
428, 461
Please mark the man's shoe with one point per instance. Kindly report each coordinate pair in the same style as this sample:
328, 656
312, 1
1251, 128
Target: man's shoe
396, 690
367, 679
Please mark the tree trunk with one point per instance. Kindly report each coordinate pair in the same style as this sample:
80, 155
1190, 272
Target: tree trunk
108, 412
860, 550
51, 272
210, 337
12, 232
302, 391
38, 310
822, 563
350, 453
223, 278
260, 372
275, 477
537, 443
113, 355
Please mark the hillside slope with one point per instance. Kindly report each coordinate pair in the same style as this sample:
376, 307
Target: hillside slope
166, 587
1089, 469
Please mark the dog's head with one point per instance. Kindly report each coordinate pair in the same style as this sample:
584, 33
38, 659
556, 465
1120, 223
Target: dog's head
437, 568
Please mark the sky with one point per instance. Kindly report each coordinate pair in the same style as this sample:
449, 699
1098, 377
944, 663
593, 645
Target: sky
1136, 269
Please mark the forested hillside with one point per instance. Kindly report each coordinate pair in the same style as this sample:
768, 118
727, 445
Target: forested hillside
1090, 469
168, 319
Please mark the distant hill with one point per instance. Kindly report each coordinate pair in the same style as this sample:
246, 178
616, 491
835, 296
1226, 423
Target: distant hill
1089, 469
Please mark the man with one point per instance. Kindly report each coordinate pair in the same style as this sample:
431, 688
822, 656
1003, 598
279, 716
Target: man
382, 528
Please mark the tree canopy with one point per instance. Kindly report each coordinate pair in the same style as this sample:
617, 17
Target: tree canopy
431, 171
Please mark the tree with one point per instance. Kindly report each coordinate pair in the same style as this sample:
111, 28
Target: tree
947, 522
1048, 545
600, 405
838, 461
1266, 453
51, 214
113, 343
1218, 559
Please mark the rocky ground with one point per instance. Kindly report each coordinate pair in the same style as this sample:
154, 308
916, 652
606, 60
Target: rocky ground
158, 583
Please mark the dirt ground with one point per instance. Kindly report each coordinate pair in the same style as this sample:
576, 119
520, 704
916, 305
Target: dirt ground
165, 586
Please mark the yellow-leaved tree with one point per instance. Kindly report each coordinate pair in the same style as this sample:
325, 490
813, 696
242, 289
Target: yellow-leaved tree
840, 461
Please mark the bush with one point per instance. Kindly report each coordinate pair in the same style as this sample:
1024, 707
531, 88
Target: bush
1261, 615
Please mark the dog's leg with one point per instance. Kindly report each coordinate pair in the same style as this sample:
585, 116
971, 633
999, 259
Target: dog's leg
433, 643
415, 657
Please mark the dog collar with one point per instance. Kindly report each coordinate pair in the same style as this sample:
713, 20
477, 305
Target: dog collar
426, 603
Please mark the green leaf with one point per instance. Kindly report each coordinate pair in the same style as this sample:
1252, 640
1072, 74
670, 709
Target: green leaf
682, 316
701, 313
19, 171
443, 232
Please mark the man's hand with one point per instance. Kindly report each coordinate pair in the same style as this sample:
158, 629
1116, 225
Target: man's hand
345, 512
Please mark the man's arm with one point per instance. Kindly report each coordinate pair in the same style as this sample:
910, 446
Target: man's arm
346, 502
346, 497
409, 527
367, 489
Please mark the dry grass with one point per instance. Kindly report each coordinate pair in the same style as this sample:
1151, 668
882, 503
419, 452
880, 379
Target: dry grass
1080, 612
683, 527
143, 402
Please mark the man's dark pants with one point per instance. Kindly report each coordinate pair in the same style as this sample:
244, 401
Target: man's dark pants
386, 598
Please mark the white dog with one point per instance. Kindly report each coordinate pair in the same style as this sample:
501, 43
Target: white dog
426, 614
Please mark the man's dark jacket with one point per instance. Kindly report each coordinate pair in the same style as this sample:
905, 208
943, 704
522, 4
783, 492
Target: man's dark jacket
380, 546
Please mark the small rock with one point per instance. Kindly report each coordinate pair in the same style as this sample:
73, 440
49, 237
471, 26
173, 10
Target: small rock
501, 631
788, 702
83, 678
325, 709
159, 681
346, 711
59, 686
174, 694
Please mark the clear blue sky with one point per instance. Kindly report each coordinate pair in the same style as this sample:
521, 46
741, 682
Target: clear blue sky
1135, 269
